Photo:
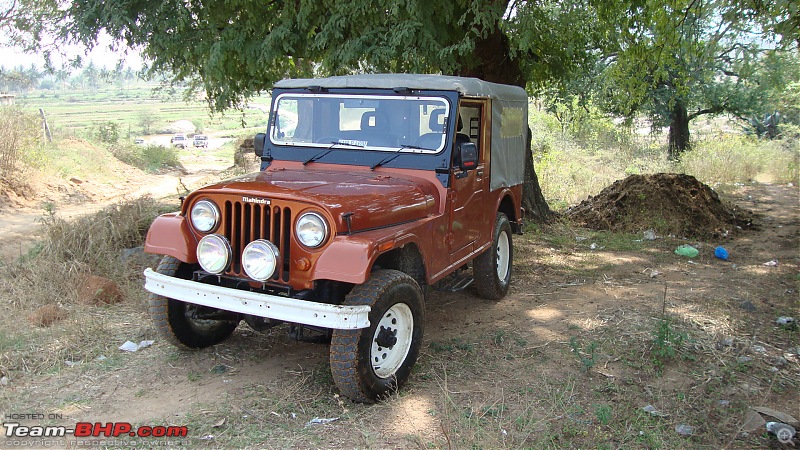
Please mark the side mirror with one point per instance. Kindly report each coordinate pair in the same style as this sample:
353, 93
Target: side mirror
258, 143
469, 155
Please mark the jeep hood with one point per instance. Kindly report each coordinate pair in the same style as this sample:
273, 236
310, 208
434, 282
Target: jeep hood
375, 200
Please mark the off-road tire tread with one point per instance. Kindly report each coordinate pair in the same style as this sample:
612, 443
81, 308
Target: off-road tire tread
158, 307
484, 267
344, 358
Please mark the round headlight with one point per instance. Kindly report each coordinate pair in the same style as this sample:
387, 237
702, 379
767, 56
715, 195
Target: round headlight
311, 229
214, 253
260, 258
205, 215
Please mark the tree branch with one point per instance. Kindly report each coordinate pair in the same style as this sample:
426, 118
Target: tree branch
712, 110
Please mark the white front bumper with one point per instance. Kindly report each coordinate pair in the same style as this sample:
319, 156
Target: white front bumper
263, 305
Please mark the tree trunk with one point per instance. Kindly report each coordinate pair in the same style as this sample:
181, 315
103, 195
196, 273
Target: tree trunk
493, 63
678, 131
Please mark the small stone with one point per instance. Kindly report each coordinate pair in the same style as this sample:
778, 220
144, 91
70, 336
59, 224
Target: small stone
748, 306
727, 342
752, 421
685, 430
654, 412
743, 359
759, 349
780, 361
724, 402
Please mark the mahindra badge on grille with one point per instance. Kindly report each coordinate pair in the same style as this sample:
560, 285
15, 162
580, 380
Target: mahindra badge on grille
260, 201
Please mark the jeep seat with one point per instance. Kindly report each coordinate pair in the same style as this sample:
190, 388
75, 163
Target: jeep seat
375, 130
433, 139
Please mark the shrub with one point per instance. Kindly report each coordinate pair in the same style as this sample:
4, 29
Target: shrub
150, 158
108, 132
731, 158
20, 133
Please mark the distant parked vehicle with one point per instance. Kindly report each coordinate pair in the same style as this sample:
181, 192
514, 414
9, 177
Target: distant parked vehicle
201, 140
138, 141
179, 140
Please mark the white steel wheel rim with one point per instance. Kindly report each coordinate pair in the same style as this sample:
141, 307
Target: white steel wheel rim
399, 321
503, 256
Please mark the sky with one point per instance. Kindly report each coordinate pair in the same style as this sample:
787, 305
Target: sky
101, 55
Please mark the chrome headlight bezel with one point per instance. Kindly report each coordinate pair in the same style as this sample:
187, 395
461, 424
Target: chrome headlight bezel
214, 243
211, 211
319, 237
254, 250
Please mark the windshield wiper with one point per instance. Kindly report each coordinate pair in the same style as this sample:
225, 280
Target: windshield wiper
322, 154
394, 155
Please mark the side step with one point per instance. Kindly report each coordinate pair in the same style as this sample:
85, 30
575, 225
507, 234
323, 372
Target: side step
454, 283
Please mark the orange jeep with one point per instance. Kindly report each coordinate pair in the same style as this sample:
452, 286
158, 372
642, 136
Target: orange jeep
372, 189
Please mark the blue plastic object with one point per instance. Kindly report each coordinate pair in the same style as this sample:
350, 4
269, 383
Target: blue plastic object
721, 253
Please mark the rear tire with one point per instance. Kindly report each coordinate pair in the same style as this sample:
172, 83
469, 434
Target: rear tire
492, 268
369, 364
173, 318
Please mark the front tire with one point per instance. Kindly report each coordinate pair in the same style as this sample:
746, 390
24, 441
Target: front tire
370, 363
492, 268
173, 318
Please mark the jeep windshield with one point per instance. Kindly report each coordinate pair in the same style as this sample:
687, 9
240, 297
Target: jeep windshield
416, 124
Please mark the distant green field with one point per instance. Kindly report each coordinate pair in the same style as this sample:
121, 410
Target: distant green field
78, 113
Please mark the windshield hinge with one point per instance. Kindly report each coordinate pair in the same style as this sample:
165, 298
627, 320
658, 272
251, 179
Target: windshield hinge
348, 218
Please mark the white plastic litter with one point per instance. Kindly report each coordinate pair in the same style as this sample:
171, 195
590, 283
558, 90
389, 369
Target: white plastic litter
129, 346
318, 421
785, 433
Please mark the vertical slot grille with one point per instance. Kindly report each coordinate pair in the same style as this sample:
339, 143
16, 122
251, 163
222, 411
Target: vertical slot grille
246, 222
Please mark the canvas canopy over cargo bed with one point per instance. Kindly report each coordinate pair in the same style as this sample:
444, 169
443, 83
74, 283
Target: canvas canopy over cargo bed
509, 111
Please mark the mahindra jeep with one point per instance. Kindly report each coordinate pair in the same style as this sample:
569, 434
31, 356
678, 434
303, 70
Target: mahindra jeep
372, 190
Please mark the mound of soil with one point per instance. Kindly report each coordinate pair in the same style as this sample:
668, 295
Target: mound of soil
666, 203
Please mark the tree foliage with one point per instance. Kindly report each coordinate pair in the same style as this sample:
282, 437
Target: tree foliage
677, 61
30, 25
238, 48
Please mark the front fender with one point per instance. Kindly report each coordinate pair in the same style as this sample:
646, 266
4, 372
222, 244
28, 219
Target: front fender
170, 235
347, 258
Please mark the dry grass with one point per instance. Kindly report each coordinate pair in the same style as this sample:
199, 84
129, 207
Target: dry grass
50, 276
573, 167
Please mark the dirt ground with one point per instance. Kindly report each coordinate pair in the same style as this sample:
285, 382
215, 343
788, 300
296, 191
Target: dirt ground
565, 360
20, 214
